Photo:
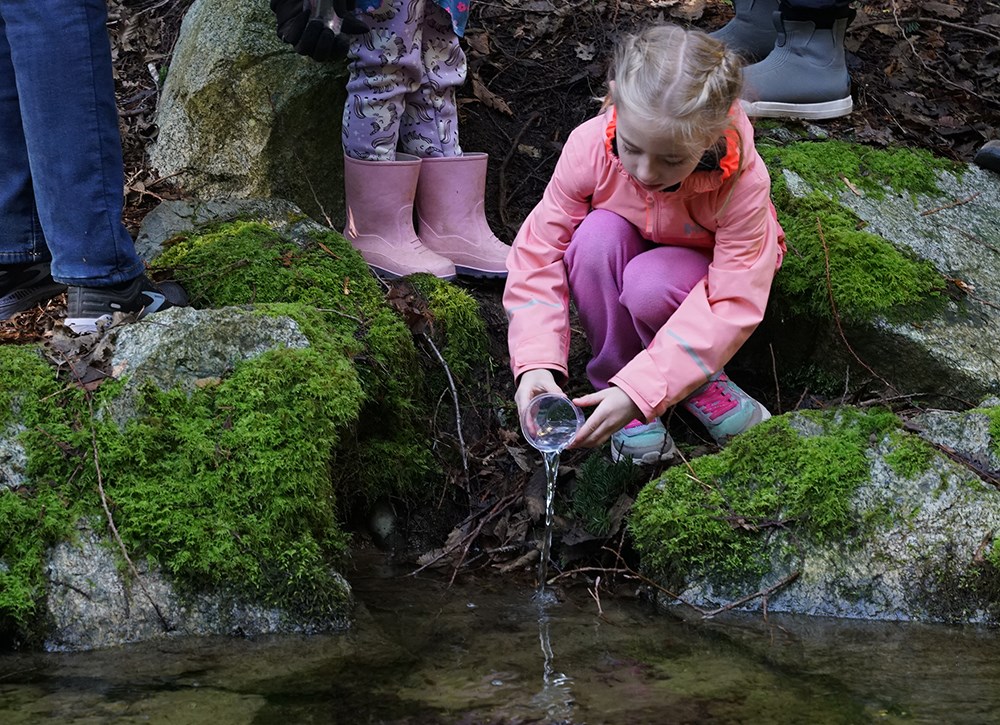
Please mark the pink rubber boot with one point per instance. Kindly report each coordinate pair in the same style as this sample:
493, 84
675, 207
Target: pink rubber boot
380, 217
451, 215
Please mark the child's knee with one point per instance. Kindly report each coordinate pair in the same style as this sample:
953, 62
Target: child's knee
601, 234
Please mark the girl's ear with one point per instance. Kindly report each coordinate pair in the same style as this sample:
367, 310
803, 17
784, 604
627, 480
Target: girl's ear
611, 88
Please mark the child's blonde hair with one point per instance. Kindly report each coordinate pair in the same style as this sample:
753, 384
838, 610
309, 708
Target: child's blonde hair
679, 80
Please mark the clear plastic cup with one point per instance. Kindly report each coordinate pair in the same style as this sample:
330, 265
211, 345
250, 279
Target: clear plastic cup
550, 422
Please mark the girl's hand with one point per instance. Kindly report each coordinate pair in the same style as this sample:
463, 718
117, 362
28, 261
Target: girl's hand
532, 383
614, 409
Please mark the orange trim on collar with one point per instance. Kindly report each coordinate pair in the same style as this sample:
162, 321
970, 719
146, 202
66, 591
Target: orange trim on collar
729, 164
612, 129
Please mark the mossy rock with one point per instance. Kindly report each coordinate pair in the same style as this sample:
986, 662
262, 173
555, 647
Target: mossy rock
874, 522
236, 481
887, 276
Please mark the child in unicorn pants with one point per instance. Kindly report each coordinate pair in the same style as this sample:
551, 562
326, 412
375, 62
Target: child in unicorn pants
401, 146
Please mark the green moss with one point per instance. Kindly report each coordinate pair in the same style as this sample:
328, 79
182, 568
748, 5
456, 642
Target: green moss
993, 414
32, 519
456, 319
326, 287
868, 276
717, 515
910, 456
825, 164
237, 486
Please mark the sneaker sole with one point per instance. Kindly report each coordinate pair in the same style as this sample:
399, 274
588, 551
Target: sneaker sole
85, 325
647, 459
808, 111
33, 300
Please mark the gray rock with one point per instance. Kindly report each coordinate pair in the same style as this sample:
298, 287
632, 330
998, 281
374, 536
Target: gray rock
172, 218
243, 115
953, 354
92, 603
13, 459
918, 559
185, 348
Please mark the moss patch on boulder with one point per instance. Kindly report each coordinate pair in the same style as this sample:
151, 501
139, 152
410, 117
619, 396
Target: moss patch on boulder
829, 252
715, 515
241, 484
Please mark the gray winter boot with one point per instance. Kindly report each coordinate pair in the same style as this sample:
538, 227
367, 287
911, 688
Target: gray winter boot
805, 76
751, 32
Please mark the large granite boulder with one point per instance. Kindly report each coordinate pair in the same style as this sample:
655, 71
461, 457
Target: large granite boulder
243, 115
890, 279
839, 513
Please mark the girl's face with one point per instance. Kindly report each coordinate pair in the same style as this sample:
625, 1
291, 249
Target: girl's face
654, 158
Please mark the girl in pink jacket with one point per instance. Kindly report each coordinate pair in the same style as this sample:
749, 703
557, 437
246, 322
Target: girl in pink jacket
658, 222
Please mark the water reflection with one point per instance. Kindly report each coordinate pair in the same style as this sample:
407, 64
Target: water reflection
420, 654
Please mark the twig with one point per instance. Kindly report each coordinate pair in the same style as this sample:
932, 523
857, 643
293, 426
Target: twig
991, 477
833, 306
974, 238
765, 593
167, 627
913, 49
952, 205
595, 593
342, 314
774, 371
458, 409
468, 538
925, 21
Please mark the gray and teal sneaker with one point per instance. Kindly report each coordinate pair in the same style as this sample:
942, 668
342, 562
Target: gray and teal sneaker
643, 443
725, 408
88, 306
22, 286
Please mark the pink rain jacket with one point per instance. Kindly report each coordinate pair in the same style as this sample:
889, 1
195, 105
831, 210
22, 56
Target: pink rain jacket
727, 210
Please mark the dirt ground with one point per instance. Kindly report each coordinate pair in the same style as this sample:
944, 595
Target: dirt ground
924, 75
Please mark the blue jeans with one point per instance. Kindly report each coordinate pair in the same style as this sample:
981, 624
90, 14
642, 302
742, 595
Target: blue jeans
61, 176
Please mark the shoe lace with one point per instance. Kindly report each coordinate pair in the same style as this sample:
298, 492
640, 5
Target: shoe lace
716, 400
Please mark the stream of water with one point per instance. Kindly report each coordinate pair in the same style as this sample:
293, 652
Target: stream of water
488, 652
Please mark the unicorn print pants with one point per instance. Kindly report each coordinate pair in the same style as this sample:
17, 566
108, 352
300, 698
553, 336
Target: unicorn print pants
401, 89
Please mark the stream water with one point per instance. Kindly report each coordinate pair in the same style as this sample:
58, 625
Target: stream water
488, 652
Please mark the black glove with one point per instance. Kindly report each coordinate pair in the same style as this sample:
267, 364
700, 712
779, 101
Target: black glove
318, 28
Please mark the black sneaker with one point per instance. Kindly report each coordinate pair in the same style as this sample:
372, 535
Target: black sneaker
22, 286
87, 306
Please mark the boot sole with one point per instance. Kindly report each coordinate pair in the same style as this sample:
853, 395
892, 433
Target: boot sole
388, 274
480, 273
808, 111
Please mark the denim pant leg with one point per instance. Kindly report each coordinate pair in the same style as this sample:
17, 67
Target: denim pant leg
21, 239
61, 60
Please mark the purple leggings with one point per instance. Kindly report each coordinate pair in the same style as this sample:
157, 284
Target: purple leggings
625, 288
